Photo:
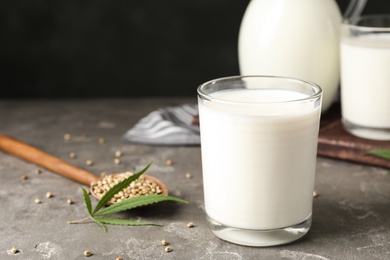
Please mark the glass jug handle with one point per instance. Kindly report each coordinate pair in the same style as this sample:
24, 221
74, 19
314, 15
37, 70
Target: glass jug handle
354, 8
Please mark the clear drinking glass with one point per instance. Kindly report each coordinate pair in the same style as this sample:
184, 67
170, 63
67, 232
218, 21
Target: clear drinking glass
365, 76
259, 144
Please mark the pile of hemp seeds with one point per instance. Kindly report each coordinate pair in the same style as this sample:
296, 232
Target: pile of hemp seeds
140, 186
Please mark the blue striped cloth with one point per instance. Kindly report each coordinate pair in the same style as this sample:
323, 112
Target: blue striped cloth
166, 126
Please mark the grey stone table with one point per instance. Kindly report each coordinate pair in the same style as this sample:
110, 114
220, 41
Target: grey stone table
351, 218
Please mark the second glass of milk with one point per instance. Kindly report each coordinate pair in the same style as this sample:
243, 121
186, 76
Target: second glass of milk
259, 144
365, 76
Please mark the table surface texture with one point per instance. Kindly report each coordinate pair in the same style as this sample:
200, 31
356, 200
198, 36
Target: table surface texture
351, 215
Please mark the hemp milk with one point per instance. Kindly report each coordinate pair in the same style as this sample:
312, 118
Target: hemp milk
273, 144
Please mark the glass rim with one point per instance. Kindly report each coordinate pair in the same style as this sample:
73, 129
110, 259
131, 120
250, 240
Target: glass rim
352, 23
317, 90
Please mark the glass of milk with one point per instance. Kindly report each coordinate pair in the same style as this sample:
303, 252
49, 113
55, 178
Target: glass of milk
365, 76
259, 142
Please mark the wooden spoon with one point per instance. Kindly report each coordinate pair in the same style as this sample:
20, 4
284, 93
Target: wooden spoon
31, 154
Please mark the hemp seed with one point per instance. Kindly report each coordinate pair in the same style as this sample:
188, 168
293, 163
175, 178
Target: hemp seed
24, 177
67, 137
164, 242
14, 250
118, 154
37, 201
168, 249
315, 194
89, 162
72, 155
69, 201
102, 140
117, 161
190, 225
38, 171
87, 253
169, 162
49, 195
119, 258
188, 175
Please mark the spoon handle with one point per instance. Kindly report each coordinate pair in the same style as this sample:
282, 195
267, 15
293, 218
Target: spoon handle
45, 160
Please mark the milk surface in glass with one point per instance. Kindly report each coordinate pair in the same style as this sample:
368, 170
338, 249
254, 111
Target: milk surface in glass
258, 161
365, 81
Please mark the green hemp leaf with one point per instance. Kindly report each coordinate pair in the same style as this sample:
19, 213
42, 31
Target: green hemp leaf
98, 214
382, 153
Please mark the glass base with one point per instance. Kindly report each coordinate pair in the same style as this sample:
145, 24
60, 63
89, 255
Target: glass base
379, 134
259, 238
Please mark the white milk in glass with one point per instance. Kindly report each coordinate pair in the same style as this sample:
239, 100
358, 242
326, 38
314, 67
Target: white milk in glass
258, 160
365, 82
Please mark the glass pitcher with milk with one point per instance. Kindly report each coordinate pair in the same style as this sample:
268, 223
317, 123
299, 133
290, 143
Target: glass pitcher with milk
295, 38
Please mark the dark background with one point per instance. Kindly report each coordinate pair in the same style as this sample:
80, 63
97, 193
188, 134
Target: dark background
101, 48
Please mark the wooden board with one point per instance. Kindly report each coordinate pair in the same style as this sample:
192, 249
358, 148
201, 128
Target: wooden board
335, 142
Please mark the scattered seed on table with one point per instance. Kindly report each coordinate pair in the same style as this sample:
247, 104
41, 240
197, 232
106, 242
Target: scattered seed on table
14, 250
69, 201
24, 177
89, 162
67, 136
169, 162
117, 161
38, 171
119, 258
87, 253
37, 201
102, 140
190, 225
164, 242
118, 154
168, 249
72, 155
188, 175
49, 195
315, 194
